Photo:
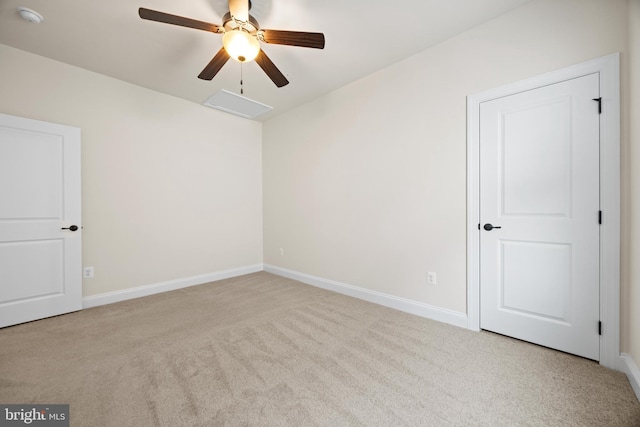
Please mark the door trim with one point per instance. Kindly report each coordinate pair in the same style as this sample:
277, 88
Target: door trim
609, 69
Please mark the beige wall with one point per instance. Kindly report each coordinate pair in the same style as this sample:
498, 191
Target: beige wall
631, 296
171, 189
367, 185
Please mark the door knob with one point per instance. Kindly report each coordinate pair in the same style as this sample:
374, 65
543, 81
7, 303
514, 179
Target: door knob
490, 227
72, 228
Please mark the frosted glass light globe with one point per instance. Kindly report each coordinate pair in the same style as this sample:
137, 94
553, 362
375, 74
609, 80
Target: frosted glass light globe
240, 45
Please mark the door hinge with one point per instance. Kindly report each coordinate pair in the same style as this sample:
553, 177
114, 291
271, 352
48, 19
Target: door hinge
599, 104
600, 328
600, 217
478, 226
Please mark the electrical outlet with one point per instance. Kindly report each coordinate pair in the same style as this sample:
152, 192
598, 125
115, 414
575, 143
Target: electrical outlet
281, 251
431, 278
87, 272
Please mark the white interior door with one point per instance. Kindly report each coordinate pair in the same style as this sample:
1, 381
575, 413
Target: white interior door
539, 183
40, 260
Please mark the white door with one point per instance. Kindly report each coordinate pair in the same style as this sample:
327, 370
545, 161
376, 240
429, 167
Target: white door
539, 189
40, 257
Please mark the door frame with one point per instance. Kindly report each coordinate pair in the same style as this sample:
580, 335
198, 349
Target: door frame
609, 69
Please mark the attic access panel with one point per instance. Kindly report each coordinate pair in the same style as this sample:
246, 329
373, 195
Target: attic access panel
236, 104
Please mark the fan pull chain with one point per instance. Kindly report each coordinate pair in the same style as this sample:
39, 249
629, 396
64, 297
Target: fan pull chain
241, 79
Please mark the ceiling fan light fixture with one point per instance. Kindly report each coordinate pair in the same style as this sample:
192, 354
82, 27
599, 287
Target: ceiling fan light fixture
241, 39
240, 45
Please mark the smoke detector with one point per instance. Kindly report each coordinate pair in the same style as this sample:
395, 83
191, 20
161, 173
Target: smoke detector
30, 15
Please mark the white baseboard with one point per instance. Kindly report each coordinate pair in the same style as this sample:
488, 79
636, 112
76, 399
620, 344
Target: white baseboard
156, 288
630, 368
409, 306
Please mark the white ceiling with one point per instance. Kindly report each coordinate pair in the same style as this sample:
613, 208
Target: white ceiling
362, 37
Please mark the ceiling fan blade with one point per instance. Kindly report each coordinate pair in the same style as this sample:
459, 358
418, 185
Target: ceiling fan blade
239, 9
214, 65
271, 70
167, 18
293, 38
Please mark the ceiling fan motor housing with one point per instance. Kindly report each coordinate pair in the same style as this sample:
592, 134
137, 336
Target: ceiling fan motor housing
230, 24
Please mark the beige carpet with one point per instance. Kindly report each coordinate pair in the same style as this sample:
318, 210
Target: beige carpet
260, 350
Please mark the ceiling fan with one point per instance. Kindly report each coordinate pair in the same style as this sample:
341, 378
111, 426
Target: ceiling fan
241, 38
